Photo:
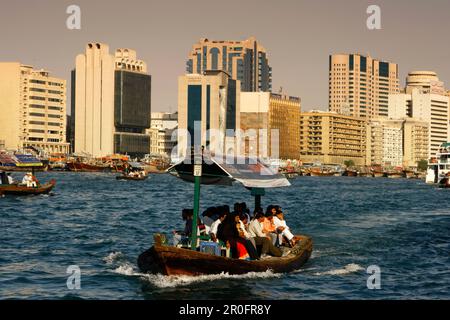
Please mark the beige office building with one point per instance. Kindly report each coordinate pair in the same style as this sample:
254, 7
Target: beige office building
111, 103
246, 61
424, 99
415, 141
210, 101
401, 142
271, 113
332, 138
33, 109
360, 85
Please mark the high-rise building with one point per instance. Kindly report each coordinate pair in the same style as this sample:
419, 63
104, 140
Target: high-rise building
269, 111
424, 99
245, 61
211, 100
111, 102
332, 138
33, 109
360, 85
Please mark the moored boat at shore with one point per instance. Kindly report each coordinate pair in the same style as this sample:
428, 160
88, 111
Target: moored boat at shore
79, 166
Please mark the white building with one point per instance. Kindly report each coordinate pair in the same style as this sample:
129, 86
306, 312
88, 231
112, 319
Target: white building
163, 125
424, 99
385, 142
111, 102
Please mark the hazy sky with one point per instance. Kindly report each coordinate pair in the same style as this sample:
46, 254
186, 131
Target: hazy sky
298, 35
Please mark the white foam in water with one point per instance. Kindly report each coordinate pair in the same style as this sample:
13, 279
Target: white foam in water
350, 268
112, 257
162, 281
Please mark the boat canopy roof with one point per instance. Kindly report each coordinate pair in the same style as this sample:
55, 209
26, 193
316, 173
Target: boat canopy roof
20, 160
136, 165
25, 160
223, 170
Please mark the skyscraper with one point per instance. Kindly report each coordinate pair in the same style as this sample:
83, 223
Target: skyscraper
33, 109
360, 85
111, 102
245, 61
212, 100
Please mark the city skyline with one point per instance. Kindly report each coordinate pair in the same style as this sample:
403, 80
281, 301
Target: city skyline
298, 47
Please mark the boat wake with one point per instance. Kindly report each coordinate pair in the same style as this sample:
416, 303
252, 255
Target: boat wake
113, 257
350, 268
162, 281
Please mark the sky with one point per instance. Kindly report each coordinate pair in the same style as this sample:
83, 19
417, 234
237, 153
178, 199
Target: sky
298, 36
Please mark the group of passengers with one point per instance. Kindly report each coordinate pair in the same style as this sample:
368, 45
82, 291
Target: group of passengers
248, 237
28, 180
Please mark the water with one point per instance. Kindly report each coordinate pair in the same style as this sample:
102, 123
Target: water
102, 225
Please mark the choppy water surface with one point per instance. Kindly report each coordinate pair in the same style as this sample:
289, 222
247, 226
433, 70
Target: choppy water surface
102, 225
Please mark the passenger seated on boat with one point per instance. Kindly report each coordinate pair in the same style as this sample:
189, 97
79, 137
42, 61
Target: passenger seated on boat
10, 179
261, 239
244, 239
269, 228
227, 232
243, 229
283, 229
3, 178
29, 180
208, 216
215, 225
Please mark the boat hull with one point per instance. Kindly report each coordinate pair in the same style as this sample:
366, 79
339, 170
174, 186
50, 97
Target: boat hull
23, 190
168, 260
85, 167
131, 178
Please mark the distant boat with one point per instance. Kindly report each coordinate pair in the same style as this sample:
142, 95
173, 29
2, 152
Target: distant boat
321, 173
393, 174
79, 166
350, 173
127, 177
16, 189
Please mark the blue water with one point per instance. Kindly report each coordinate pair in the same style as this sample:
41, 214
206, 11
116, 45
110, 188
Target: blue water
102, 225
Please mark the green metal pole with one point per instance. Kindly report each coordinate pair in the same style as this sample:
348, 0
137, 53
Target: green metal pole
257, 201
196, 209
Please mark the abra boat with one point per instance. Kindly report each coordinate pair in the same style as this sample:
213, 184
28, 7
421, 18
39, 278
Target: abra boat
16, 189
254, 175
127, 177
169, 260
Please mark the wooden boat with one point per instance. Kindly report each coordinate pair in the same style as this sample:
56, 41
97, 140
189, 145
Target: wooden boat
322, 173
444, 183
16, 189
169, 260
350, 173
172, 260
78, 166
377, 174
364, 174
42, 168
393, 175
125, 177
